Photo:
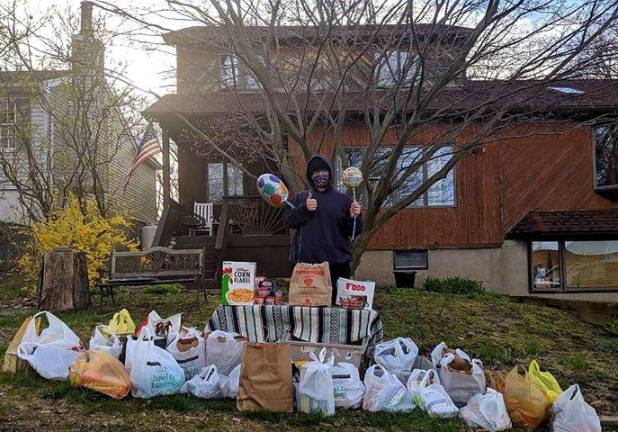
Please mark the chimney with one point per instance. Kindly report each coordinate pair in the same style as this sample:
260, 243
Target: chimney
87, 54
86, 19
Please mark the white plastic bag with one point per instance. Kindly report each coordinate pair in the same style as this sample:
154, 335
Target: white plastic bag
384, 392
486, 411
153, 371
433, 398
233, 382
167, 328
396, 355
223, 350
315, 389
189, 351
415, 381
207, 384
51, 352
347, 385
109, 343
571, 413
461, 386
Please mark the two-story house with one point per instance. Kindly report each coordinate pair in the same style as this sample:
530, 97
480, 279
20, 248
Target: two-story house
533, 212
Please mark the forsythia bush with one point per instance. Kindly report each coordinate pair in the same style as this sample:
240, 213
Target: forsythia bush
91, 233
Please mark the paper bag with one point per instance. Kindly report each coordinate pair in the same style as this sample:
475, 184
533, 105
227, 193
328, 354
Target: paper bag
310, 285
266, 378
12, 363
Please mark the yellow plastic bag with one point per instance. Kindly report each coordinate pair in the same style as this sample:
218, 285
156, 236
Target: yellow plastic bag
101, 372
526, 403
544, 381
121, 324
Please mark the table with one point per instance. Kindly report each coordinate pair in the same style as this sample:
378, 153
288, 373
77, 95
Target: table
271, 323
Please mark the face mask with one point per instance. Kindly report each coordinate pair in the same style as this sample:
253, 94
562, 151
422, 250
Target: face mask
320, 179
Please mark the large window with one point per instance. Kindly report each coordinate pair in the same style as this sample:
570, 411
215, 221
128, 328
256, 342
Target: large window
574, 265
606, 156
217, 181
395, 67
233, 74
440, 194
8, 121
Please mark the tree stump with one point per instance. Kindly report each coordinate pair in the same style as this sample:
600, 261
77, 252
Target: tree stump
63, 282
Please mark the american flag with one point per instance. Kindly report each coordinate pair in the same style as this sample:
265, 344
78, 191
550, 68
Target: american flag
148, 147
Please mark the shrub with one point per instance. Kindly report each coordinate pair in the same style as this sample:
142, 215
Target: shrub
611, 327
81, 229
454, 285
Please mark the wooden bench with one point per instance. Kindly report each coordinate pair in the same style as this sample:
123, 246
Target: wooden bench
155, 266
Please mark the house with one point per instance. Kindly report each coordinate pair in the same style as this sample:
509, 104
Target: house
533, 212
48, 118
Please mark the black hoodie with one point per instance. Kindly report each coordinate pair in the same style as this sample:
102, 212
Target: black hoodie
322, 235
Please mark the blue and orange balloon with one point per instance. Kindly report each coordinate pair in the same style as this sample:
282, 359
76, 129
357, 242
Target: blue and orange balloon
272, 189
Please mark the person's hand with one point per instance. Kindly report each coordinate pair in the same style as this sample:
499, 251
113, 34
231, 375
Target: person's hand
312, 204
355, 209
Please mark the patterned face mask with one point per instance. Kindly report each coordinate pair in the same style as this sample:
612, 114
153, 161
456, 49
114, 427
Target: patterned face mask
320, 178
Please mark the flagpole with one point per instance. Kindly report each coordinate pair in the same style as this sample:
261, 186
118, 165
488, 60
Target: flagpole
166, 168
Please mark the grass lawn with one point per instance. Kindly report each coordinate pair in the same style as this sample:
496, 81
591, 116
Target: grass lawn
499, 332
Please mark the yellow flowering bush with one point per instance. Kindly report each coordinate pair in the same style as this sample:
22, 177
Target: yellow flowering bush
86, 231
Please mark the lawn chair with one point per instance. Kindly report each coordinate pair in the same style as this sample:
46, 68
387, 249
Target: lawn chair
204, 211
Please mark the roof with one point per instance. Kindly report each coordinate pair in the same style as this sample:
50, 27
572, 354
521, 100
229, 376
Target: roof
523, 95
567, 222
199, 35
35, 75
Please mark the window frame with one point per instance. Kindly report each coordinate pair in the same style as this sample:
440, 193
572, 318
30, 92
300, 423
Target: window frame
395, 77
412, 268
228, 171
7, 103
241, 76
563, 289
595, 185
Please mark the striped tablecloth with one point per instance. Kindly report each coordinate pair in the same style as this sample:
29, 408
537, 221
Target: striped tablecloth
310, 324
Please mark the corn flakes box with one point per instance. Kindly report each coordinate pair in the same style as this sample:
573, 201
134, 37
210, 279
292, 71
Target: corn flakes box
238, 283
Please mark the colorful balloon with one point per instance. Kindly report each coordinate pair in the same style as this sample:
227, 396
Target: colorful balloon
272, 189
352, 177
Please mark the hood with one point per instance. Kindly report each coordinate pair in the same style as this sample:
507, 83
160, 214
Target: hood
318, 162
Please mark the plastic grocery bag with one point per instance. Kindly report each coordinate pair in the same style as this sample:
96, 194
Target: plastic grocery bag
430, 395
164, 329
461, 385
234, 379
441, 350
52, 351
486, 411
121, 324
315, 389
224, 350
188, 348
396, 355
526, 403
544, 380
347, 385
207, 384
572, 413
101, 372
103, 339
384, 392
153, 371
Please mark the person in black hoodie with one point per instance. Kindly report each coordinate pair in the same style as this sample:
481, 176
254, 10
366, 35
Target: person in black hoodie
324, 220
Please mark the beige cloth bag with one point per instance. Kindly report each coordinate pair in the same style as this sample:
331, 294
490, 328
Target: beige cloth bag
310, 285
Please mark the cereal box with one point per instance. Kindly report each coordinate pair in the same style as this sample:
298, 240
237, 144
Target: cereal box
237, 283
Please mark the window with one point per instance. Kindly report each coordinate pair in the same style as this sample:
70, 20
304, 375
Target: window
395, 67
8, 121
605, 139
235, 75
410, 260
574, 265
217, 184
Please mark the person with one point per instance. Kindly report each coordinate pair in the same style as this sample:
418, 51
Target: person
324, 220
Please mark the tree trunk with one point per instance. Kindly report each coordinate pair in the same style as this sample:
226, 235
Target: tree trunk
63, 282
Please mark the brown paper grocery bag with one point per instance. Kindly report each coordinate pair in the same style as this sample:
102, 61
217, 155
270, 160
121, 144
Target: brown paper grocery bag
266, 378
310, 285
12, 363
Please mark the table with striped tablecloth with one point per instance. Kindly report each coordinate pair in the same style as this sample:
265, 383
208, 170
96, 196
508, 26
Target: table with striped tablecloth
332, 325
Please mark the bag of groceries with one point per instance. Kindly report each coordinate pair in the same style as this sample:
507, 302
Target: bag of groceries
101, 372
164, 329
571, 413
396, 355
103, 339
121, 324
188, 348
315, 389
207, 384
265, 381
486, 411
224, 350
232, 388
347, 386
384, 392
544, 380
355, 294
425, 389
310, 285
526, 403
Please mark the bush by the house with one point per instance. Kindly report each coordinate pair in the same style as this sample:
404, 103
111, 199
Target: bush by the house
454, 285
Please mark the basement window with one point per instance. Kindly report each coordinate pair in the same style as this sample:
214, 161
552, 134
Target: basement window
405, 260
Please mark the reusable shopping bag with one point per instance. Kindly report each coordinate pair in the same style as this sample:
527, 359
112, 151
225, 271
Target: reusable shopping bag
526, 403
396, 355
52, 350
188, 348
571, 413
347, 385
462, 385
315, 389
486, 411
265, 381
426, 390
207, 384
224, 350
544, 380
101, 372
121, 324
103, 339
384, 392
310, 285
